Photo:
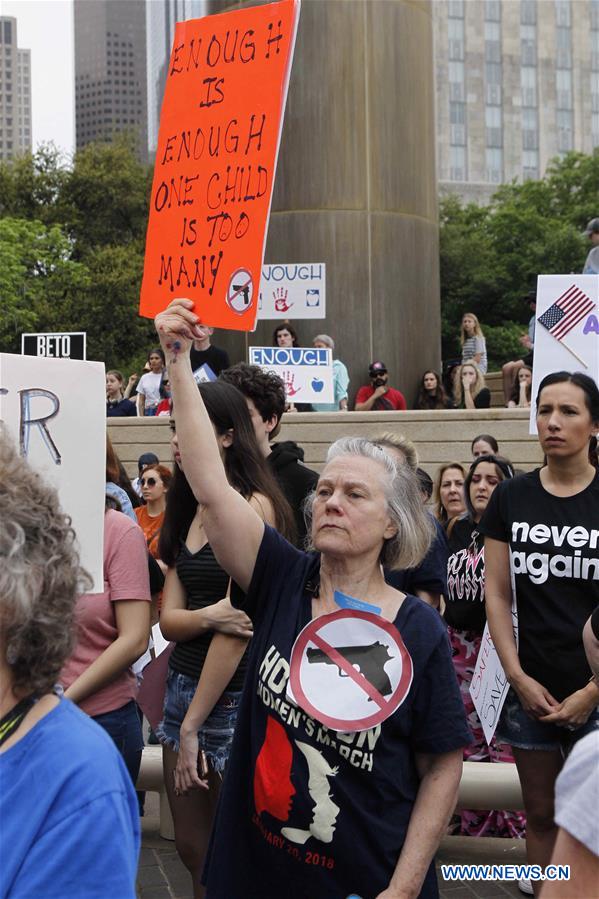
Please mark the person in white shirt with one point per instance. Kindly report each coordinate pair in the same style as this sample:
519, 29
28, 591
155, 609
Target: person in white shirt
148, 389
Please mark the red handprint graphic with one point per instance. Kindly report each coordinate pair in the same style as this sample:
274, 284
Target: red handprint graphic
280, 298
288, 381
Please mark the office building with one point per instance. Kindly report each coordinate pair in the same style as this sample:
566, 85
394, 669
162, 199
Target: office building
110, 71
517, 84
15, 92
162, 15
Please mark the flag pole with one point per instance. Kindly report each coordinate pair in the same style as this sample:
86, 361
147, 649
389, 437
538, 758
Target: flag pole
570, 350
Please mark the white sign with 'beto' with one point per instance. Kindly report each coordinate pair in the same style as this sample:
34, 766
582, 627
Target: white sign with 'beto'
307, 373
295, 290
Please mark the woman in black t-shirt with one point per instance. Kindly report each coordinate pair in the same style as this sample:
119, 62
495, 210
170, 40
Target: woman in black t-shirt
466, 618
548, 520
431, 393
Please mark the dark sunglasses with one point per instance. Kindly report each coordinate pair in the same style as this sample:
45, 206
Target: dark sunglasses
151, 482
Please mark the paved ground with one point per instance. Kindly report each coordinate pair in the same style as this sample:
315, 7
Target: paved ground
162, 876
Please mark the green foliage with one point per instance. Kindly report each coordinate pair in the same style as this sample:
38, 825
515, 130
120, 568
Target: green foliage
37, 277
105, 199
107, 310
491, 255
71, 249
31, 185
503, 343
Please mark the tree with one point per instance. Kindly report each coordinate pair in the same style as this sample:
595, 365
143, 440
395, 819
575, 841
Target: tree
37, 277
31, 185
107, 307
105, 199
71, 248
491, 256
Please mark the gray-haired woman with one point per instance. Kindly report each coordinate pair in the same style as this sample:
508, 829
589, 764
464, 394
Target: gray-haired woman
69, 813
357, 805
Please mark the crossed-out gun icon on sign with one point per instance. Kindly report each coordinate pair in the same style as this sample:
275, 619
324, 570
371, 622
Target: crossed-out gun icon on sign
245, 290
370, 660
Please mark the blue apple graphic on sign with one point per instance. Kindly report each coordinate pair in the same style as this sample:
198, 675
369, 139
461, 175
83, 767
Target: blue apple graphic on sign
317, 385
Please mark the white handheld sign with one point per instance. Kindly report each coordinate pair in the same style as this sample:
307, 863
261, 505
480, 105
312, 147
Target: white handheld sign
295, 290
55, 410
307, 373
566, 329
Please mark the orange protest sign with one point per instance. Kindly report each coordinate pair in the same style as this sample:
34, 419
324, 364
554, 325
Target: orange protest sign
219, 137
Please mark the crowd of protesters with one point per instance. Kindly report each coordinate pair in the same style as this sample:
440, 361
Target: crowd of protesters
235, 548
462, 385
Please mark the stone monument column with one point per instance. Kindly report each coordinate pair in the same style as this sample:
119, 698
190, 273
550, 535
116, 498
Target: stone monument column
356, 185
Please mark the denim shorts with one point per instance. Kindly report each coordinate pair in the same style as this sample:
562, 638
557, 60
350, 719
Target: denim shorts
124, 726
520, 730
216, 734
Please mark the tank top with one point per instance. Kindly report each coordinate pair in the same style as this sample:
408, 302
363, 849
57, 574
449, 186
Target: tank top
205, 583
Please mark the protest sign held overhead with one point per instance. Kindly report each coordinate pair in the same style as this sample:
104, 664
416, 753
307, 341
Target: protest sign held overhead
566, 329
220, 130
54, 409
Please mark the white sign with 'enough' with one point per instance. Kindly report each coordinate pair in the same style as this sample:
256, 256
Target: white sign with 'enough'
307, 373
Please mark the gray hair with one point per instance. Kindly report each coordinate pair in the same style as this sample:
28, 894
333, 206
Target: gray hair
415, 528
401, 443
324, 338
40, 577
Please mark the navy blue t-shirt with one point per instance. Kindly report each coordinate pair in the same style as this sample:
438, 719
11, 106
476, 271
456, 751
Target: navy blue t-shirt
120, 409
308, 811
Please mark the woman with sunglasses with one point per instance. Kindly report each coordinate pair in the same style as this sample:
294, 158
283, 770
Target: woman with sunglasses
208, 664
154, 482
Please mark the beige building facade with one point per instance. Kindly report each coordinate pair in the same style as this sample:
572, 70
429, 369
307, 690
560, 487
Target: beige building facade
15, 92
517, 84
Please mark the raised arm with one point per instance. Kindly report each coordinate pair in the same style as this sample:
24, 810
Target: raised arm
130, 386
233, 528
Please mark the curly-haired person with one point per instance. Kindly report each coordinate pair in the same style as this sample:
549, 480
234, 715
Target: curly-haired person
69, 813
265, 396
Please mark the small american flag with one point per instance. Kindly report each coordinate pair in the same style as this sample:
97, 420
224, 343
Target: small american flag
566, 312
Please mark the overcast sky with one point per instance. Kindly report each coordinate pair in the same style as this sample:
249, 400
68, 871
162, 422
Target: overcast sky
46, 28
